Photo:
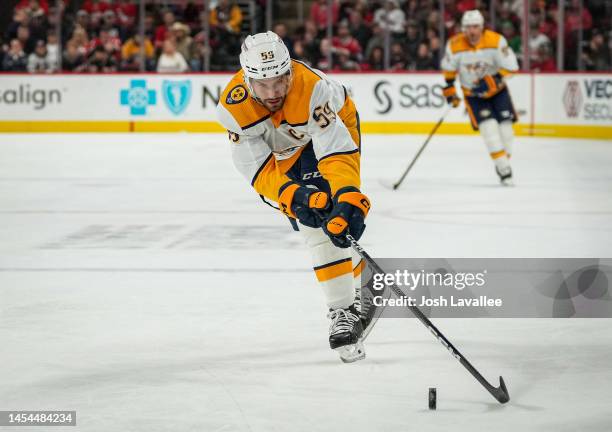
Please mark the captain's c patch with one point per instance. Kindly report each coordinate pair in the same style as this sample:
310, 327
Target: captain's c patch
236, 95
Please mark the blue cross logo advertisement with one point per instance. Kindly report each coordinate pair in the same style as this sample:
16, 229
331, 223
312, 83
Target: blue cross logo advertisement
176, 96
138, 97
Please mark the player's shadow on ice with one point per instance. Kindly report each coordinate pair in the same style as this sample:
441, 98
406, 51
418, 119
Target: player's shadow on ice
419, 184
496, 406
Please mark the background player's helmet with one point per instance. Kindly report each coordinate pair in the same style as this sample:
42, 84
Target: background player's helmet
472, 17
264, 55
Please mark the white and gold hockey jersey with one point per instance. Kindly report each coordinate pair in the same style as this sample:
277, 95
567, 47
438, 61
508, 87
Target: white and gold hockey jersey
265, 144
490, 56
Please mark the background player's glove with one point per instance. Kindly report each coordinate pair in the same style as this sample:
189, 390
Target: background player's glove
347, 215
488, 86
304, 204
450, 93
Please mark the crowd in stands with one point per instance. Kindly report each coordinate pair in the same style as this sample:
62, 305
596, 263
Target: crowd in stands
104, 35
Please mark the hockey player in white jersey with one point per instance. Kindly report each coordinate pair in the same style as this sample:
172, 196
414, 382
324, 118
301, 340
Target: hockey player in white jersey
294, 136
483, 61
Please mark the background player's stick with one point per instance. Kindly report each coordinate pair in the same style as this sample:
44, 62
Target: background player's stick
500, 393
431, 134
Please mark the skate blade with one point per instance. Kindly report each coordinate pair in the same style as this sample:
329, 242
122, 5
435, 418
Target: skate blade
351, 353
507, 183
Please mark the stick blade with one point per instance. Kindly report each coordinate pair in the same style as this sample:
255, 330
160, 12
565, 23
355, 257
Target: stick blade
388, 184
501, 392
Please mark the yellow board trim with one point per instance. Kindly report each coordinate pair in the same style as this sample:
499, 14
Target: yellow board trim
540, 130
64, 126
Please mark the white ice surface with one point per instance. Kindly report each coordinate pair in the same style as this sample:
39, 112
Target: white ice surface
145, 285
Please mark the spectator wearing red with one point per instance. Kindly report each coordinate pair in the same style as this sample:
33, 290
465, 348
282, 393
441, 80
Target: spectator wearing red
345, 44
544, 61
548, 26
164, 29
107, 39
96, 6
126, 10
33, 6
319, 12
466, 5
573, 20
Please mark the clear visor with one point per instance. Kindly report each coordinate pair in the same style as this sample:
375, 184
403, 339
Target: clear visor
271, 88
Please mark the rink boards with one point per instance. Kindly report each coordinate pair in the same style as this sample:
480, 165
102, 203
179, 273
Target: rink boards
559, 105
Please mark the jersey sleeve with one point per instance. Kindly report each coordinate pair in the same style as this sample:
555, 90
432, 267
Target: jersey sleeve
449, 63
506, 59
334, 147
253, 158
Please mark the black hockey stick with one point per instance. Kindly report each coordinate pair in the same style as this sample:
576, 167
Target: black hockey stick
431, 134
500, 393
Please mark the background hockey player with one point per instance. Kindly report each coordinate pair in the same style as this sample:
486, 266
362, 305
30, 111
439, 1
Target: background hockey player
294, 135
482, 59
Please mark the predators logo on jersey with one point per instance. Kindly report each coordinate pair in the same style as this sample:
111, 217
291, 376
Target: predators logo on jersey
236, 95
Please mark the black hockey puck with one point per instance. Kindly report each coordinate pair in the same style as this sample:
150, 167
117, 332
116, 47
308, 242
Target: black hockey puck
432, 398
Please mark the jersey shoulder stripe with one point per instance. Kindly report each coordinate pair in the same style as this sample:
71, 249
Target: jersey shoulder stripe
460, 42
489, 40
244, 109
296, 109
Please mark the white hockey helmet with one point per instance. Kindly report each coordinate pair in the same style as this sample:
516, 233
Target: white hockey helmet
472, 17
264, 55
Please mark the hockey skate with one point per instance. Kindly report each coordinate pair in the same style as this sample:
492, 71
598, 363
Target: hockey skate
344, 332
505, 176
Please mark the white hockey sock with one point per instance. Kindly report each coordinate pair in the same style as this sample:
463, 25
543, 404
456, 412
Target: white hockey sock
507, 136
358, 267
333, 268
490, 131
